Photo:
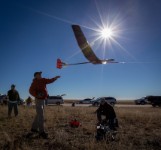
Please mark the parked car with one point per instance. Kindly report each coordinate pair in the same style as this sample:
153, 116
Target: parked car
154, 100
110, 100
86, 101
54, 100
21, 101
141, 101
3, 99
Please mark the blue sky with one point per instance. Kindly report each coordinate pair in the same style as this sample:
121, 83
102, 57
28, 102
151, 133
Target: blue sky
34, 33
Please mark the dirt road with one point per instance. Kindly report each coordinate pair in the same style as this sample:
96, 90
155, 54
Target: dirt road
117, 105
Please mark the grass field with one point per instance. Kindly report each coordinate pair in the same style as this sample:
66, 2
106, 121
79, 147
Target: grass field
140, 128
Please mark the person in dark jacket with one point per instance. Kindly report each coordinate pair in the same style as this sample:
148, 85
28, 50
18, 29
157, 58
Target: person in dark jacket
39, 91
108, 111
29, 101
13, 97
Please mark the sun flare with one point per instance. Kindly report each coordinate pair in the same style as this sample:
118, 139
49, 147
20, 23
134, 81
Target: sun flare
106, 33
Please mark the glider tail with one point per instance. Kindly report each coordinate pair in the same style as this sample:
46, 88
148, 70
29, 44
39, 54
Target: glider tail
60, 64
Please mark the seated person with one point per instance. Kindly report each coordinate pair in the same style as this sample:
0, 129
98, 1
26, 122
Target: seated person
108, 111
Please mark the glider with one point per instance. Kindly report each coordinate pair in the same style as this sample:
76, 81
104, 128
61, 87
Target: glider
86, 50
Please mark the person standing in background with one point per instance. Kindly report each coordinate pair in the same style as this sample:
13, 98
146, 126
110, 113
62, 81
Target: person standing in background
13, 97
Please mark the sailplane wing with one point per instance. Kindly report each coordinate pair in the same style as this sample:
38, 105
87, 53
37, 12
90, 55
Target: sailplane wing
84, 45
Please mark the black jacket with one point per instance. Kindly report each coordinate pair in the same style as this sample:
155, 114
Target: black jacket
13, 95
107, 110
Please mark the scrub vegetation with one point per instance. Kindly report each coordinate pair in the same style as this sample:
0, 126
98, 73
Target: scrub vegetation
140, 128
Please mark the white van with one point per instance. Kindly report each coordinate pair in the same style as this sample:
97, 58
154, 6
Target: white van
54, 100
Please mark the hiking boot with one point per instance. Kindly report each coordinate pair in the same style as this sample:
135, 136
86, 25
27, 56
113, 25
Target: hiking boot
34, 130
44, 135
114, 129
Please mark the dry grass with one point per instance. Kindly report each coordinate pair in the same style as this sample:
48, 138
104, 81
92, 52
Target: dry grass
126, 102
139, 129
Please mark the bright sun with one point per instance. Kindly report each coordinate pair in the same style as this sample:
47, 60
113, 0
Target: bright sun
106, 33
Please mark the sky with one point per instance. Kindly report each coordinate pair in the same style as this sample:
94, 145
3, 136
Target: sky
34, 33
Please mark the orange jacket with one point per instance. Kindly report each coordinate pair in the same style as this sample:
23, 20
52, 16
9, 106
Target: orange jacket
38, 87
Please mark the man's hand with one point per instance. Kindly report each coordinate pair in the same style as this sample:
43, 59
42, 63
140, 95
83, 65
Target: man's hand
57, 77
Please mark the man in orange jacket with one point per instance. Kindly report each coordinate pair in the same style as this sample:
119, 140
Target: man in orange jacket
39, 91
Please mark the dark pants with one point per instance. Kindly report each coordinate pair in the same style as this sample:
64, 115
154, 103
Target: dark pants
38, 123
10, 107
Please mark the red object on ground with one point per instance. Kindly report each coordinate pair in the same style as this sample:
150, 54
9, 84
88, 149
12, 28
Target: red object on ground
74, 123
